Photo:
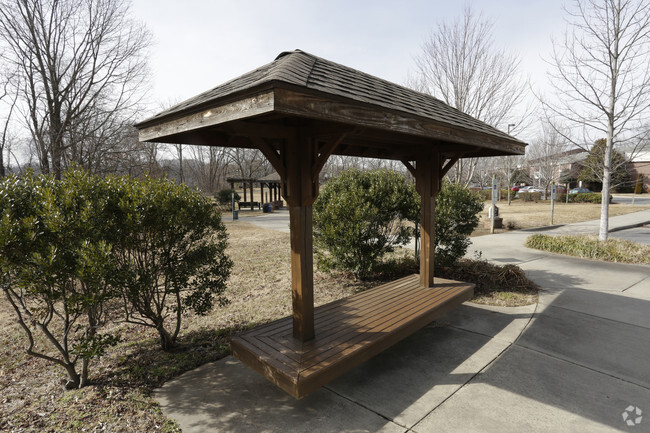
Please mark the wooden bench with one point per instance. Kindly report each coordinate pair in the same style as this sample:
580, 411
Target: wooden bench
348, 332
246, 204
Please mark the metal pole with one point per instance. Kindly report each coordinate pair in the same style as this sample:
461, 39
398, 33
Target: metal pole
508, 168
494, 202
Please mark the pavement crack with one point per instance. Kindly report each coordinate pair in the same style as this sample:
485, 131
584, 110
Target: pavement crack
583, 366
498, 355
635, 284
379, 414
598, 317
485, 367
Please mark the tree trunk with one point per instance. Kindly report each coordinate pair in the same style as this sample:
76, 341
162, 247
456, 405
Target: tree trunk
604, 207
167, 341
73, 378
83, 380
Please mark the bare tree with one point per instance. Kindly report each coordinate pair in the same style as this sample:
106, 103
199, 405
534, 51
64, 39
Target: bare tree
545, 156
6, 98
82, 65
460, 65
248, 163
601, 78
207, 167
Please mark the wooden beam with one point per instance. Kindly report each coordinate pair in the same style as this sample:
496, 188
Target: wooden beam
450, 163
244, 108
428, 184
272, 155
291, 102
409, 167
324, 154
257, 130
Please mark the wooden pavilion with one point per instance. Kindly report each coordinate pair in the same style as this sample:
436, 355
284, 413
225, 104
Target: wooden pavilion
272, 182
298, 110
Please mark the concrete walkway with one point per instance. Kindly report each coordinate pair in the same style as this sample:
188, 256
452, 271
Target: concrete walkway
575, 362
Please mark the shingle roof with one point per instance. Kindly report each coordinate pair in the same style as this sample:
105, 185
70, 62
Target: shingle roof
308, 71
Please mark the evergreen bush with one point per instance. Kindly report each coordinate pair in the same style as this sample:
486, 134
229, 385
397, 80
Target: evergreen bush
361, 216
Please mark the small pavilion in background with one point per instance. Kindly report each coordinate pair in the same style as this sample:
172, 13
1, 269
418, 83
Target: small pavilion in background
271, 182
298, 110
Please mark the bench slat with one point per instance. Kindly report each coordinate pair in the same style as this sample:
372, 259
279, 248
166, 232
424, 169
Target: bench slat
348, 332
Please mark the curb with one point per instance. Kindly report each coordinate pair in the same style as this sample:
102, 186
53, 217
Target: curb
543, 228
629, 226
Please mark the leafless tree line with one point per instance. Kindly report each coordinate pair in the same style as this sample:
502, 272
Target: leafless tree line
78, 74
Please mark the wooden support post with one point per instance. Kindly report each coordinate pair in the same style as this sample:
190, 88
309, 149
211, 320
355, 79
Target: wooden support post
252, 199
302, 190
299, 160
427, 180
302, 278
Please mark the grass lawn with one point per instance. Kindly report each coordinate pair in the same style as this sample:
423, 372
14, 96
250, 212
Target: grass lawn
119, 399
589, 247
530, 215
32, 397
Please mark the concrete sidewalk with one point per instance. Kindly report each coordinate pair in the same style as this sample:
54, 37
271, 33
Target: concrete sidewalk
577, 361
616, 224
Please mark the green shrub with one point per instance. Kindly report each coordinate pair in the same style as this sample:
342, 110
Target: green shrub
69, 247
457, 215
171, 254
360, 216
530, 196
224, 196
56, 266
587, 197
485, 194
612, 250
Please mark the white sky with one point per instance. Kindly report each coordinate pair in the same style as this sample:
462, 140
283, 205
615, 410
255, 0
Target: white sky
199, 44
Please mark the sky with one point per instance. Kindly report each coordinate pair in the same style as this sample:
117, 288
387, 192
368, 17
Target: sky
199, 44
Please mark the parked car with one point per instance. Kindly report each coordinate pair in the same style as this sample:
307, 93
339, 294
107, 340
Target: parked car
514, 189
530, 189
579, 190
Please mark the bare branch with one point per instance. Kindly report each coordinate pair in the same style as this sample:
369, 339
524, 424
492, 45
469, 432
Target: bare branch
601, 79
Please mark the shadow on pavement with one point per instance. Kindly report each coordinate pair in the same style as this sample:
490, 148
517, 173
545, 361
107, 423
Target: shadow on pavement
582, 360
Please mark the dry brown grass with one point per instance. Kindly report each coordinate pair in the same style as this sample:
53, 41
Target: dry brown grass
505, 286
120, 399
589, 247
259, 288
259, 291
531, 215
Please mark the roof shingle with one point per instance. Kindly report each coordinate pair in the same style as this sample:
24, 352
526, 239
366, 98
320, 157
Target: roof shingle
308, 71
